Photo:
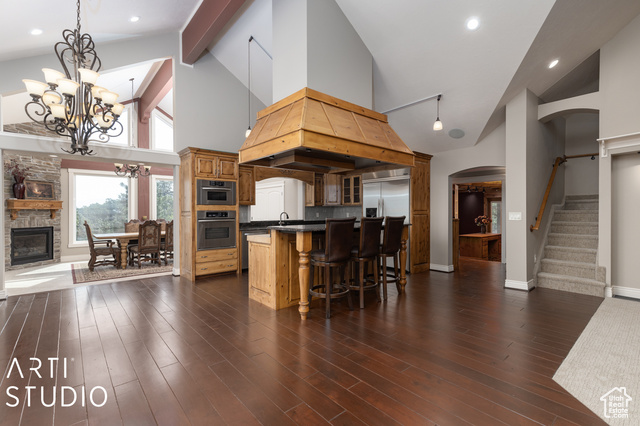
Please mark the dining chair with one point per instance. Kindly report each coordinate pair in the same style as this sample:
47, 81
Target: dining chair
132, 226
166, 247
101, 248
391, 242
148, 247
367, 251
336, 253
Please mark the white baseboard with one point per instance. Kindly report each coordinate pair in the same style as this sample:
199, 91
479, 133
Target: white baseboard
75, 258
519, 285
441, 268
631, 292
3, 294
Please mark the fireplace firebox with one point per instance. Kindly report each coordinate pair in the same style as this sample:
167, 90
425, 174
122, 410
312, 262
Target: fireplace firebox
30, 245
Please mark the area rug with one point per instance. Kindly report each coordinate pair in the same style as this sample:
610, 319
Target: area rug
602, 369
81, 273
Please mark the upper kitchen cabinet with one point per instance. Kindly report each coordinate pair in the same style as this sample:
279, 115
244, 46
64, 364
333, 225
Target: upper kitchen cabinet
352, 190
218, 167
246, 186
314, 194
332, 186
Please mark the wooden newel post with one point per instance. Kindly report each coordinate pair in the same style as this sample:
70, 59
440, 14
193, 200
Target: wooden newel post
303, 245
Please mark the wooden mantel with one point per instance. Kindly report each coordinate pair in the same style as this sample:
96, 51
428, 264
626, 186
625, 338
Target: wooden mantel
15, 205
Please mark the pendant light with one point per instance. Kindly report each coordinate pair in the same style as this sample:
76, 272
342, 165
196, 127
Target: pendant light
438, 124
248, 132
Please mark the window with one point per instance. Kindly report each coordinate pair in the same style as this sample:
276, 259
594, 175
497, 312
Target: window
105, 210
125, 138
162, 197
161, 132
496, 217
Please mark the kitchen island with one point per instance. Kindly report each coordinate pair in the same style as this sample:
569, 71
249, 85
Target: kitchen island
279, 263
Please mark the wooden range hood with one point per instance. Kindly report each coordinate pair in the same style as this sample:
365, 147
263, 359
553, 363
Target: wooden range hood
316, 132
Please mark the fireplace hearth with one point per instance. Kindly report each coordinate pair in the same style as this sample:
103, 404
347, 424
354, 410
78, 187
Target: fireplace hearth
30, 245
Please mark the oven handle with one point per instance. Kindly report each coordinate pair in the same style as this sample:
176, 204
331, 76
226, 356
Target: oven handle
220, 188
216, 220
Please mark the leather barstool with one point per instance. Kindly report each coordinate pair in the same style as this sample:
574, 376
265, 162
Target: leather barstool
367, 251
336, 254
390, 247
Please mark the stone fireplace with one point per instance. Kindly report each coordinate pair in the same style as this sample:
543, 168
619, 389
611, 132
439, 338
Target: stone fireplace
41, 168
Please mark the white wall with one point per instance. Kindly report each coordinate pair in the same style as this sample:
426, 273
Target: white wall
625, 224
581, 174
339, 63
488, 152
314, 45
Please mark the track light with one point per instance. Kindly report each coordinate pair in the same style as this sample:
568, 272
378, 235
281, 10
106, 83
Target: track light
438, 124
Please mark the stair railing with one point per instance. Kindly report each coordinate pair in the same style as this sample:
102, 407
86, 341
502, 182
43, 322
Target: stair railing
559, 160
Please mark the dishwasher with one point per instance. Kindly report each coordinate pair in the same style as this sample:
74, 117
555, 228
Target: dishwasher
245, 245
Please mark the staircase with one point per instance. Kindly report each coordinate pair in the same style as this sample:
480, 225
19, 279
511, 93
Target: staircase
569, 259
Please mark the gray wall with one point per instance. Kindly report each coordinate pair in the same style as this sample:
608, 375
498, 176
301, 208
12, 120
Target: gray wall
625, 224
581, 174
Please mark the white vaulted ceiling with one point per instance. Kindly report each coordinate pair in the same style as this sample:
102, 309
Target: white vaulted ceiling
420, 48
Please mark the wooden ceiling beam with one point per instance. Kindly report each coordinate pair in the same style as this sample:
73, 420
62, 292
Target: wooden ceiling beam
156, 90
207, 22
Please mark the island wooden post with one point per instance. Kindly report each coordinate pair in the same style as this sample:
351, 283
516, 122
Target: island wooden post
403, 259
303, 245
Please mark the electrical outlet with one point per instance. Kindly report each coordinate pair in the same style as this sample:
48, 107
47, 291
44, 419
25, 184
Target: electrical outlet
535, 258
317, 214
348, 214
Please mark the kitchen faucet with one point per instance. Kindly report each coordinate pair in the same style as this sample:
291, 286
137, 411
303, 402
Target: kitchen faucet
281, 222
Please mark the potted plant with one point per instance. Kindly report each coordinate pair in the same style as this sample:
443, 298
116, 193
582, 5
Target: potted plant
19, 174
482, 222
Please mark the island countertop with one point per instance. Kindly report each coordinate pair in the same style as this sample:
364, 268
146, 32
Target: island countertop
310, 227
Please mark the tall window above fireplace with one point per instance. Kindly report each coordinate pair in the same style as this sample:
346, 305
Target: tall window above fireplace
31, 245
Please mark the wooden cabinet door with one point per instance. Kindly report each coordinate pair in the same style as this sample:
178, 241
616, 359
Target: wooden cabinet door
246, 186
356, 190
309, 192
332, 185
205, 166
346, 191
227, 168
318, 190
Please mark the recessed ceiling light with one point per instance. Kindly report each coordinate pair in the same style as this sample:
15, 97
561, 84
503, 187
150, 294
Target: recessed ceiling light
472, 23
553, 63
36, 31
134, 19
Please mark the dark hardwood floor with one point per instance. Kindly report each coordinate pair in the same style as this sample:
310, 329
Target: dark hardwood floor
455, 349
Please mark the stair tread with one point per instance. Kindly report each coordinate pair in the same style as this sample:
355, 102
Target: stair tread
574, 249
587, 281
565, 222
585, 236
569, 263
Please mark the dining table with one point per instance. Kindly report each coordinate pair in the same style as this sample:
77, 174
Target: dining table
123, 239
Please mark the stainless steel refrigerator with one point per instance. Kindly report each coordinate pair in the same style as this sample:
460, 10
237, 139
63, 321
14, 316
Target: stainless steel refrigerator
386, 194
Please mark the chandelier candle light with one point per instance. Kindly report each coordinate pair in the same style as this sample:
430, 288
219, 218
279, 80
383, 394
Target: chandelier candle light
70, 104
132, 171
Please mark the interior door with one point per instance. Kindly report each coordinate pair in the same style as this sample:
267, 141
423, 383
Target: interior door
269, 202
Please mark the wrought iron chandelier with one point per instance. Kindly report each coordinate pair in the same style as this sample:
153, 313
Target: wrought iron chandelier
70, 104
132, 171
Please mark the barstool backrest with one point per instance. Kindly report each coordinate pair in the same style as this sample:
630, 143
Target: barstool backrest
338, 239
370, 228
392, 234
